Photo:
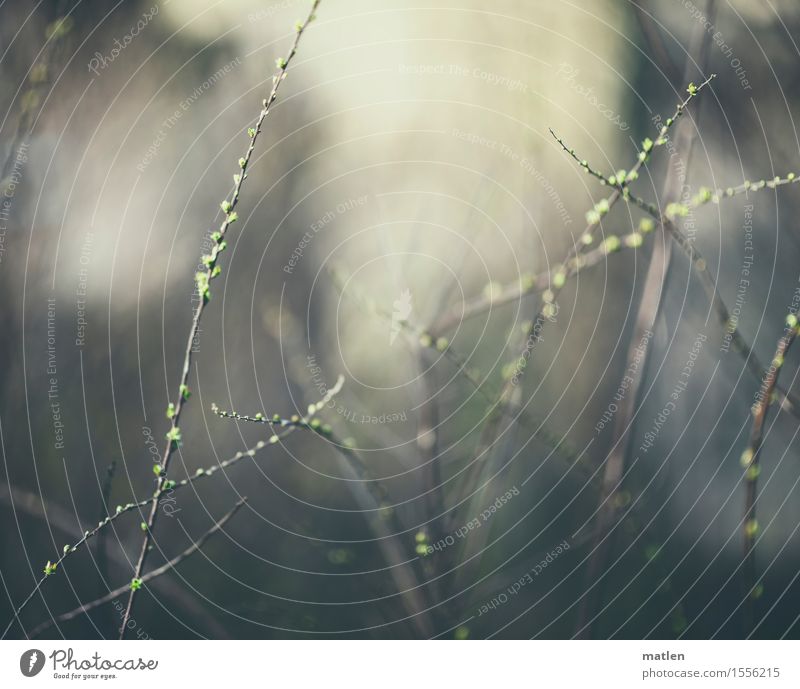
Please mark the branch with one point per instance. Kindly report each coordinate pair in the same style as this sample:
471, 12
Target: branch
535, 284
567, 269
166, 567
442, 346
751, 459
203, 279
638, 347
666, 220
370, 495
168, 485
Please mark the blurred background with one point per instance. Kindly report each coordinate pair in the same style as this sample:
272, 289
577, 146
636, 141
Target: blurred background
406, 173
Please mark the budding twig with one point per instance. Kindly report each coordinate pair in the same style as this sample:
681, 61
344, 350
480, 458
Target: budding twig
163, 569
203, 280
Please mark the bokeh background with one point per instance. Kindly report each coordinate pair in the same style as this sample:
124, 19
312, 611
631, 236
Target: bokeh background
410, 146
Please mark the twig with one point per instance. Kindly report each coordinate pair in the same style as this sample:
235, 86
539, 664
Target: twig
39, 77
529, 284
442, 346
666, 220
203, 280
102, 545
199, 475
163, 569
751, 459
638, 348
565, 270
369, 494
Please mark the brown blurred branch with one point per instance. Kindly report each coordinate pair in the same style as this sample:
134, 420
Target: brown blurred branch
751, 459
639, 346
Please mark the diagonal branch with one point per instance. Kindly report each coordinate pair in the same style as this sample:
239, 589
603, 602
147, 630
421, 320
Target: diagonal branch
502, 405
673, 210
170, 485
163, 569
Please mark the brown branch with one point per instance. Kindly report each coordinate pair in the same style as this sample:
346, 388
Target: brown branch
562, 272
639, 346
751, 462
369, 494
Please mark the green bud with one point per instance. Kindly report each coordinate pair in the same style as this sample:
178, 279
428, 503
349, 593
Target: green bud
174, 435
634, 240
611, 244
